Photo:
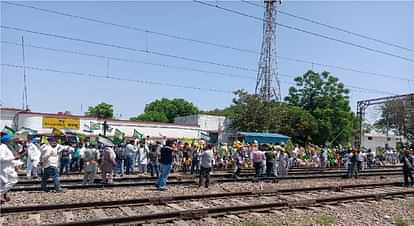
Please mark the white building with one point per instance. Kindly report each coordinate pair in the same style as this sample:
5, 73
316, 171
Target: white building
44, 123
374, 141
217, 127
7, 117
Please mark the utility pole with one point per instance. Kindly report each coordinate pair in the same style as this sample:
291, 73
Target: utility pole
267, 83
25, 105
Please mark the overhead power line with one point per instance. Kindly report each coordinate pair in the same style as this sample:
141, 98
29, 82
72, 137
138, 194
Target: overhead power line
127, 60
336, 28
308, 32
175, 56
114, 77
147, 82
215, 44
129, 27
127, 48
349, 69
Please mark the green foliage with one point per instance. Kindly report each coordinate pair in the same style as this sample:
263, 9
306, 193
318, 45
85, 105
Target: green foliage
327, 100
217, 112
325, 220
250, 113
102, 110
164, 108
399, 221
152, 116
397, 117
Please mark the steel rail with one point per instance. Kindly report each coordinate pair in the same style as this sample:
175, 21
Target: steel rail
178, 177
164, 199
194, 181
291, 170
200, 213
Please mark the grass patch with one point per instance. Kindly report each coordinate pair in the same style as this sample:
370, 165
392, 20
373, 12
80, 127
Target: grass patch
325, 220
399, 221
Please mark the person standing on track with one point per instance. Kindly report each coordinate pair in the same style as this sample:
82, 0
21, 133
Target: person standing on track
257, 159
50, 158
33, 159
75, 158
108, 164
195, 160
91, 164
238, 161
408, 166
353, 167
166, 160
120, 160
283, 163
270, 158
153, 155
8, 163
64, 158
130, 158
206, 159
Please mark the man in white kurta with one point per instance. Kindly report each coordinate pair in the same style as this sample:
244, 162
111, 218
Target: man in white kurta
33, 159
8, 162
50, 159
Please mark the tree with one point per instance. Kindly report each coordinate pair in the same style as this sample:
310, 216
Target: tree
156, 110
102, 110
152, 116
397, 116
323, 96
250, 113
217, 112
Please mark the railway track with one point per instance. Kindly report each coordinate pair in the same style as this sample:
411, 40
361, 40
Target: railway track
292, 170
161, 209
223, 178
216, 174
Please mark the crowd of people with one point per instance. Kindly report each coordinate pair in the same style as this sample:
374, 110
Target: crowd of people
159, 158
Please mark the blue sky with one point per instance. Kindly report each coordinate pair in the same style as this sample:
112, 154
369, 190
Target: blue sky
52, 92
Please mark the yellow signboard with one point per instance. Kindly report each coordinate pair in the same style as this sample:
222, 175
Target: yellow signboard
61, 122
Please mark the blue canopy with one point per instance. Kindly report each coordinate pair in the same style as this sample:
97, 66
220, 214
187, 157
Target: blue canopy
265, 138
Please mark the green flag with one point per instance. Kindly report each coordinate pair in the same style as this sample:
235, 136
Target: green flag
138, 134
119, 136
9, 131
119, 133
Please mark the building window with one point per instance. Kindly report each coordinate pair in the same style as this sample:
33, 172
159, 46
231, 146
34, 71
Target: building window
369, 138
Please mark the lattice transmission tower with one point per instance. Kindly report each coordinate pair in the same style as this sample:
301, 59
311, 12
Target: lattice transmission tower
268, 84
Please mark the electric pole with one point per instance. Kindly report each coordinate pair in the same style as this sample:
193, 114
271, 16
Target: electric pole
25, 105
267, 84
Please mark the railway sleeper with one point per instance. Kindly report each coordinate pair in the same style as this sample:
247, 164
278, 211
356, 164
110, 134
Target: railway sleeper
301, 203
160, 200
193, 214
338, 188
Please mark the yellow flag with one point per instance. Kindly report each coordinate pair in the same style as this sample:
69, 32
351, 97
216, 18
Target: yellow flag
57, 132
44, 140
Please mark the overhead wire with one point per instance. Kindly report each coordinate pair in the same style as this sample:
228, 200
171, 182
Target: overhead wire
127, 60
127, 48
307, 32
336, 28
204, 42
145, 82
129, 27
113, 77
167, 65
